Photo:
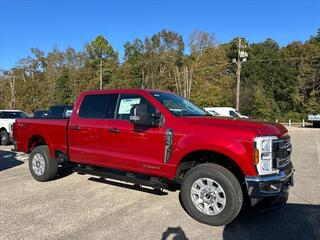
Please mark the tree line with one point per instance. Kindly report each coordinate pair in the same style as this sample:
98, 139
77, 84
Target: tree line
277, 82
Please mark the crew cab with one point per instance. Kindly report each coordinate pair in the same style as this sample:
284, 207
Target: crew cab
7, 118
159, 139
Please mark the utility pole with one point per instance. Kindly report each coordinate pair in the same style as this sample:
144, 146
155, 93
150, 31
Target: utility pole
100, 73
12, 92
238, 76
242, 57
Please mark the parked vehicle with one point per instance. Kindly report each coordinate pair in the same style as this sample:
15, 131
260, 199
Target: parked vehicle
7, 118
40, 114
314, 119
63, 111
159, 139
224, 111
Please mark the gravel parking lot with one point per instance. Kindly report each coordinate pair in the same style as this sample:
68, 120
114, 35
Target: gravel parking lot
82, 207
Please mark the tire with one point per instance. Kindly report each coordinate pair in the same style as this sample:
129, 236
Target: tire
4, 136
42, 167
225, 204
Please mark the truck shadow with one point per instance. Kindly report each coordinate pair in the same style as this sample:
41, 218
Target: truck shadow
294, 221
8, 160
128, 186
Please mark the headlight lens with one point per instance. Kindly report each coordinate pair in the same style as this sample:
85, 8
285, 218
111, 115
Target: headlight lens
266, 145
263, 158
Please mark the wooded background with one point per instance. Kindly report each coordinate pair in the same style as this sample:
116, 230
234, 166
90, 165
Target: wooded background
276, 82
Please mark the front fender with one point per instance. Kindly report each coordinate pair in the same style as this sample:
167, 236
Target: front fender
239, 150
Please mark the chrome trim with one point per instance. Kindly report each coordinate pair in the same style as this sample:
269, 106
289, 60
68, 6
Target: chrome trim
168, 146
284, 144
281, 176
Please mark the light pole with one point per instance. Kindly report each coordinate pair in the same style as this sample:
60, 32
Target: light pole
242, 57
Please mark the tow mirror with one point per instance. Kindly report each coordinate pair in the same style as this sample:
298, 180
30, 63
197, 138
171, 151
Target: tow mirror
139, 115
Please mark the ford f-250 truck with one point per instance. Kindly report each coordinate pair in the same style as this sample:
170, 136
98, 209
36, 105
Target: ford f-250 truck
159, 139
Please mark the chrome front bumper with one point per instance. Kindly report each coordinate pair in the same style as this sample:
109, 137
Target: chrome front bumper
270, 186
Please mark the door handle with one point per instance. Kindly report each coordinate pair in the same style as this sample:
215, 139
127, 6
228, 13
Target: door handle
75, 127
114, 130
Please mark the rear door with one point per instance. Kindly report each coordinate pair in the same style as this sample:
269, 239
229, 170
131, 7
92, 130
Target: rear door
88, 129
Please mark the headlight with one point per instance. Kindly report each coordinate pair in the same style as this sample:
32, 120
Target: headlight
266, 145
263, 155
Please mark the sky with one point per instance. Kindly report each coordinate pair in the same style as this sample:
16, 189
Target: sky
25, 24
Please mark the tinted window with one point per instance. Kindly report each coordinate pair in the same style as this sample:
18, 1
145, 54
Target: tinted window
98, 106
233, 114
127, 101
40, 114
13, 115
56, 112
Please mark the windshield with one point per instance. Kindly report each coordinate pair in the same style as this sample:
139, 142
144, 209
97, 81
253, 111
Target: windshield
177, 105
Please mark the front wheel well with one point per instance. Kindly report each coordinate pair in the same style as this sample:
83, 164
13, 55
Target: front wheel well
35, 141
203, 156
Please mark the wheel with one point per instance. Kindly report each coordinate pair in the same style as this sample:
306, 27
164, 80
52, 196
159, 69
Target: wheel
211, 194
42, 167
4, 137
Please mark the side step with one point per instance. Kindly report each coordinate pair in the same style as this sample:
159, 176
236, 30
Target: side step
140, 179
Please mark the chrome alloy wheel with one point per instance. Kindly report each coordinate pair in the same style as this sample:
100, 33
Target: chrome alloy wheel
38, 164
208, 196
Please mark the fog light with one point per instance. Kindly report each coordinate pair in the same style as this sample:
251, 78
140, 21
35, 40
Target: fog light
270, 188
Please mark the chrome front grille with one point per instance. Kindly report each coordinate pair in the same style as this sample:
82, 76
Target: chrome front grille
281, 152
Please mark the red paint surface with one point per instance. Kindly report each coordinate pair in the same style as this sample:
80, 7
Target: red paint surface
143, 151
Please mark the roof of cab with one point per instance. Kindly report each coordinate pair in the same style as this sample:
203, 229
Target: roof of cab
123, 90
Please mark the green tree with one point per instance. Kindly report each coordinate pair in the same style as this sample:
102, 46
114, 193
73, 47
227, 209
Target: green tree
103, 58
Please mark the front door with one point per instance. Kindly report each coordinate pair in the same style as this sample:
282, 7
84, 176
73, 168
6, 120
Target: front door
135, 148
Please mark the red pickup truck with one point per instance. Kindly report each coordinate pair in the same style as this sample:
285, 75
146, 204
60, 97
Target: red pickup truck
159, 139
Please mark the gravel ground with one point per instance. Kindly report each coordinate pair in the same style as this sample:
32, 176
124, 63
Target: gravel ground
80, 207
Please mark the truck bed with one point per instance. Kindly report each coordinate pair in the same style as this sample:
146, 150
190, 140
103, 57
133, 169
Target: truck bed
53, 130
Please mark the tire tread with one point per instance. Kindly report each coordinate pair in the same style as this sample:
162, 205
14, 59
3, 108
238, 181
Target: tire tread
229, 180
50, 163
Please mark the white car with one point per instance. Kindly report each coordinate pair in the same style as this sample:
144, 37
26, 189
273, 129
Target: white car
7, 118
224, 111
314, 119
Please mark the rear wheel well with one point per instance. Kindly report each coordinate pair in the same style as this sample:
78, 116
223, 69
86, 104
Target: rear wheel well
198, 157
35, 141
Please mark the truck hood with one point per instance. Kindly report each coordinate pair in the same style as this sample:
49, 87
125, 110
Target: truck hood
258, 127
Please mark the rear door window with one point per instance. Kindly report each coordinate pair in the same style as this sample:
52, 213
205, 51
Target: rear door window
98, 106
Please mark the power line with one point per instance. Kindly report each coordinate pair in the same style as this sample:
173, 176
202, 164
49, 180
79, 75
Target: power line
283, 59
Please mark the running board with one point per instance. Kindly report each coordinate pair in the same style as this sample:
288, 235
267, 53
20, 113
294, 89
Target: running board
139, 179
